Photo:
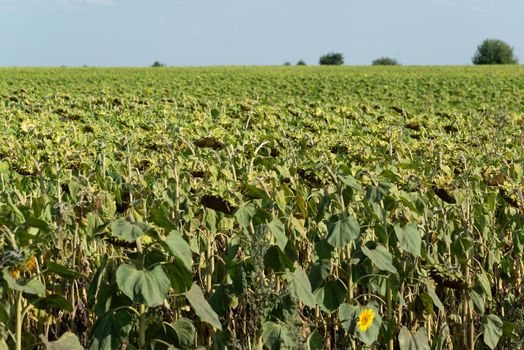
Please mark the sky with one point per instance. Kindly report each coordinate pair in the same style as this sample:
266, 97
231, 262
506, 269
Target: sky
249, 32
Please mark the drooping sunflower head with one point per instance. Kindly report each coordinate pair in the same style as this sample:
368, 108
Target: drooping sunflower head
365, 319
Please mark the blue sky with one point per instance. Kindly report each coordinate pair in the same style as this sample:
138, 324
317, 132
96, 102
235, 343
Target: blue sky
248, 32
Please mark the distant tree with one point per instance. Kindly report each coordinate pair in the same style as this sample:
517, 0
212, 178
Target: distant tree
287, 63
158, 64
494, 51
385, 61
332, 59
301, 63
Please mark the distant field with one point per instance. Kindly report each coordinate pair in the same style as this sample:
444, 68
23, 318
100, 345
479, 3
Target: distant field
250, 207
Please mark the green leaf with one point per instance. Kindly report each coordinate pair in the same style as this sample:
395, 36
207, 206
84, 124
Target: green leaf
53, 301
409, 238
185, 332
315, 341
277, 260
254, 192
94, 286
34, 286
160, 216
180, 248
342, 229
126, 231
476, 295
440, 341
430, 286
5, 310
110, 330
348, 314
244, 213
202, 307
221, 299
211, 219
31, 221
350, 181
484, 283
61, 270
68, 341
300, 287
381, 258
509, 330
334, 294
143, 286
275, 335
276, 227
181, 279
493, 329
413, 341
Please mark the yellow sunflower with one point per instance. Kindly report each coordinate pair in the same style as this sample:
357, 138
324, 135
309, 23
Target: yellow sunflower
30, 264
365, 319
14, 272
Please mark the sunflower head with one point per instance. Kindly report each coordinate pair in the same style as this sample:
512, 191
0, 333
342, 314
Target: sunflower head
30, 264
365, 319
14, 272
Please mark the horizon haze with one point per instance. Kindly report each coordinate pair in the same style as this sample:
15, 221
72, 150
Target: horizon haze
235, 32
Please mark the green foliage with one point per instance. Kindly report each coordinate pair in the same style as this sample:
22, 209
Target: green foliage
147, 287
201, 306
494, 51
301, 63
248, 208
492, 326
158, 64
413, 340
68, 341
331, 59
385, 61
342, 229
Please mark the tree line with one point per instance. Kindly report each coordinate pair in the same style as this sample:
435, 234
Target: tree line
490, 51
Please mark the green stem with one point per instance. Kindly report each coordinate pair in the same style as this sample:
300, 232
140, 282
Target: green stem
142, 326
19, 320
389, 296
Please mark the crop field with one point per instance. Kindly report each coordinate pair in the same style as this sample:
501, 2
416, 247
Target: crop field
262, 208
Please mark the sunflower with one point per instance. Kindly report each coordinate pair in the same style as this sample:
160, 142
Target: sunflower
31, 263
365, 319
15, 273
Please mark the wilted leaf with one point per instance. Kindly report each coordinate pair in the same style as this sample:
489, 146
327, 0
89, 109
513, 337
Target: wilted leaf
380, 257
202, 307
409, 238
493, 329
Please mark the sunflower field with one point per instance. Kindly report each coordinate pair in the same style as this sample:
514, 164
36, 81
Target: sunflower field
262, 208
